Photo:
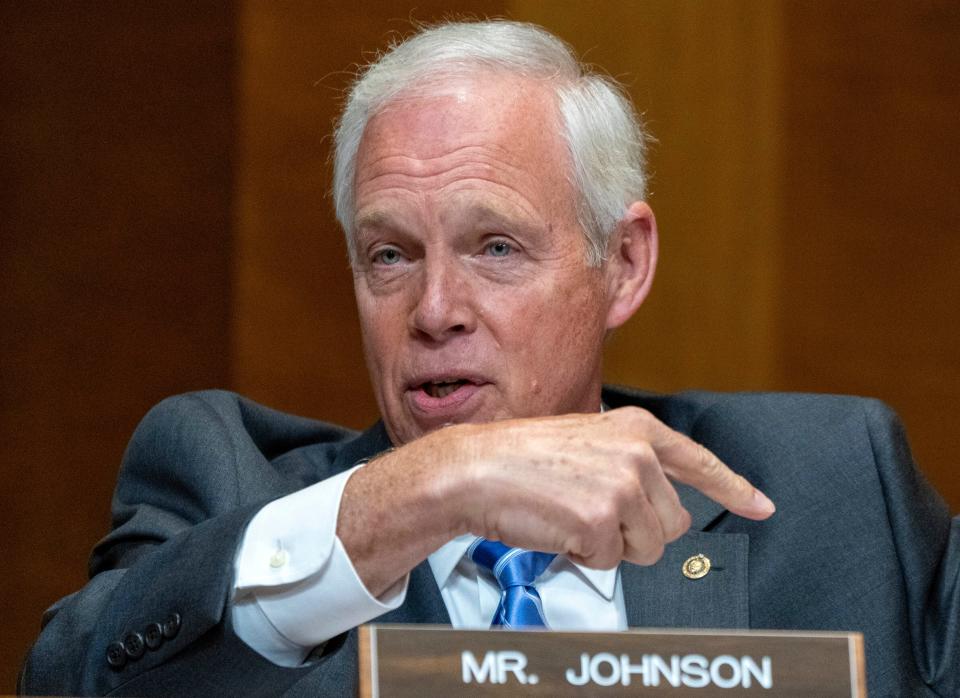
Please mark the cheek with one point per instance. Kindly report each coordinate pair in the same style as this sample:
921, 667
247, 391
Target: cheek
575, 314
559, 335
378, 332
571, 340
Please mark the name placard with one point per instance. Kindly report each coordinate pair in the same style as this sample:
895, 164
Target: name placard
421, 660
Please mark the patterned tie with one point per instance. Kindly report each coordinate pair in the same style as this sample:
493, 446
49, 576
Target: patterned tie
516, 570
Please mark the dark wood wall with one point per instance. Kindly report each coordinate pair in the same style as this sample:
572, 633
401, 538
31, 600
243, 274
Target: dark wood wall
165, 225
869, 283
117, 147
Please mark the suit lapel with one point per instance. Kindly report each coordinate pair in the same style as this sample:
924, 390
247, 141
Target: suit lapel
370, 443
661, 596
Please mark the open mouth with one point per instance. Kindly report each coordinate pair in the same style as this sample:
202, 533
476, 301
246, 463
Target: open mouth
441, 398
440, 389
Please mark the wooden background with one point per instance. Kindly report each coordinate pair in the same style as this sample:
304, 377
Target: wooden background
165, 225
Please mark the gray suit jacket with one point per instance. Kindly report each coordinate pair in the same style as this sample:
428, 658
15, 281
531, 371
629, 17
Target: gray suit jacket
859, 542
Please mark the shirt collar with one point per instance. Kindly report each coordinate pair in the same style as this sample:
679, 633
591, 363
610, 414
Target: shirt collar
445, 559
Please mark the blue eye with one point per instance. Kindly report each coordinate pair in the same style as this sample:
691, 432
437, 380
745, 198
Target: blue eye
387, 257
499, 249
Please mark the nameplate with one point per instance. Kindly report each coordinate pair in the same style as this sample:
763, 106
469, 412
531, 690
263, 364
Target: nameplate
420, 660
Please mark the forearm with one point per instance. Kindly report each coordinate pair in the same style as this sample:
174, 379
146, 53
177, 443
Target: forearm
401, 507
593, 487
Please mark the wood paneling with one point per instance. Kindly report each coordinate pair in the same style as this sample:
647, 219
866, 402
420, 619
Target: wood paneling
870, 292
116, 146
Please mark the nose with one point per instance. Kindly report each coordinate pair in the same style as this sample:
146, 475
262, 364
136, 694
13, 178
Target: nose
444, 308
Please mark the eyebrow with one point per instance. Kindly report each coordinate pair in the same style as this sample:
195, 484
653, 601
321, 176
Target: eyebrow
478, 214
484, 214
374, 219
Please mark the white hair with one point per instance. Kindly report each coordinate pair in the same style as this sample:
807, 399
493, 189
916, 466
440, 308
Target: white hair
598, 123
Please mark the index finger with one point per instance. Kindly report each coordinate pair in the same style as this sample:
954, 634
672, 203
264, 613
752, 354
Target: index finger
691, 463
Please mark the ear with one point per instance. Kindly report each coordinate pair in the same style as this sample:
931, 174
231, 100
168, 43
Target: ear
631, 262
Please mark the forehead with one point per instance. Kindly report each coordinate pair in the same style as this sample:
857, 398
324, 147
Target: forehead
484, 126
485, 101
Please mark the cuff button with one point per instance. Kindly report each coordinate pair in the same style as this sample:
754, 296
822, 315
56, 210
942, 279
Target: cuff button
133, 645
171, 626
116, 655
153, 635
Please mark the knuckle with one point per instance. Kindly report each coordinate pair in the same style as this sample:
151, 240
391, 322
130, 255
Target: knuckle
636, 417
599, 518
639, 459
643, 452
651, 553
680, 526
709, 463
627, 490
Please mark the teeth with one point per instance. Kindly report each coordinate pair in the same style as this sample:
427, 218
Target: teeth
439, 390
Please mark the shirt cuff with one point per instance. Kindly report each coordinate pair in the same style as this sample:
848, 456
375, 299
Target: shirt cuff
327, 604
291, 538
295, 586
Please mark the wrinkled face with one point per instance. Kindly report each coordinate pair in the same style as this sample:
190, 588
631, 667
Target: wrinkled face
474, 294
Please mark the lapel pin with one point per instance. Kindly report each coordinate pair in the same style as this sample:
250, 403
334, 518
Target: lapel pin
696, 567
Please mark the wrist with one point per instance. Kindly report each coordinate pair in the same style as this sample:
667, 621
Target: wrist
446, 482
455, 479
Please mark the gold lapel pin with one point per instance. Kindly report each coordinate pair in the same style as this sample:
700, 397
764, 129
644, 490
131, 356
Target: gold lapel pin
696, 567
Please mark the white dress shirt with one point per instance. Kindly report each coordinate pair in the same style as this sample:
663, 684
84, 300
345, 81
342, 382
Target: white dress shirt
295, 587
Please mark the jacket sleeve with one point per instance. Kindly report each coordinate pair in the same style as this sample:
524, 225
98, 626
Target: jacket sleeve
928, 547
152, 619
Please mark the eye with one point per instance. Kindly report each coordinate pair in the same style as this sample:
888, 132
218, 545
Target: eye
499, 248
388, 257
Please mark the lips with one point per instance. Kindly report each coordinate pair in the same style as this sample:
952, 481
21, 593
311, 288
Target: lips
445, 397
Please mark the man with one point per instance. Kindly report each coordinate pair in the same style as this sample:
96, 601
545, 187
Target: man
491, 193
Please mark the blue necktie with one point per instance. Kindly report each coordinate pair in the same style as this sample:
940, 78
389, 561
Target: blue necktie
516, 570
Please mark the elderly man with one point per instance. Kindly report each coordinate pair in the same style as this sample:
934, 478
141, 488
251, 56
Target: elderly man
492, 193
